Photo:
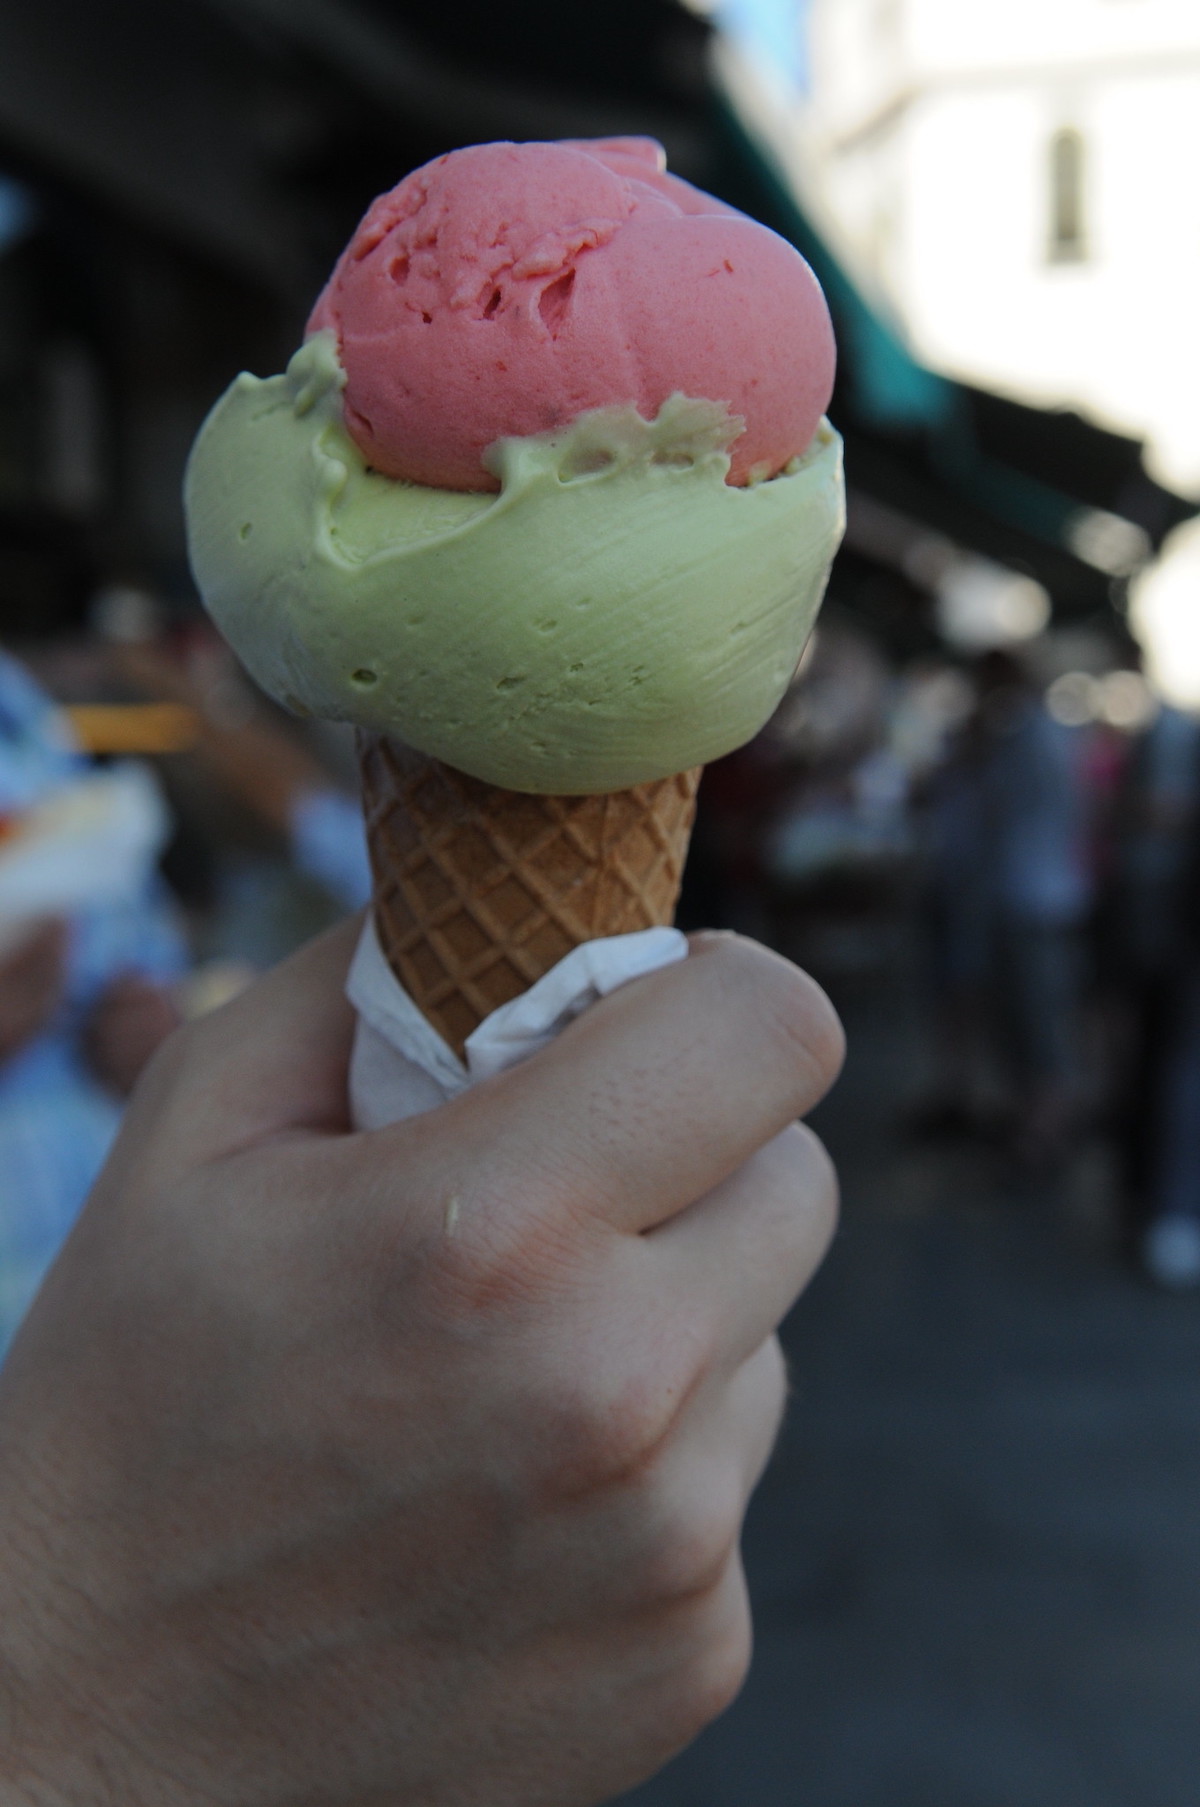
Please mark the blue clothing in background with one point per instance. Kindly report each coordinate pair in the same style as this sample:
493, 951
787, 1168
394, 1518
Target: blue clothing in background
1008, 885
56, 1120
329, 843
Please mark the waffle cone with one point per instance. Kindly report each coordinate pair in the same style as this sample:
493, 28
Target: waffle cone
478, 891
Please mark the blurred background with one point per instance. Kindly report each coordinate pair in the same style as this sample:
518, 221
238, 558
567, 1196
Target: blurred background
976, 817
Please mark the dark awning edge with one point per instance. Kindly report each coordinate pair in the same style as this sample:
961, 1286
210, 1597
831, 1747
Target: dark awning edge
911, 432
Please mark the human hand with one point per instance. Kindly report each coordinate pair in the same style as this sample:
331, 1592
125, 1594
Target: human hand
129, 1020
410, 1466
32, 975
244, 745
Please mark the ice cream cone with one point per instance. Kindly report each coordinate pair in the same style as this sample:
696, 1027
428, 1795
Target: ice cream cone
478, 891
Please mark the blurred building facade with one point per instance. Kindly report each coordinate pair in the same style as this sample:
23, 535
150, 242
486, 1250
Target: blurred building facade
1016, 183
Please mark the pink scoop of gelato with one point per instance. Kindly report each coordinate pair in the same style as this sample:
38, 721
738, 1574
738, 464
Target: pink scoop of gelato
506, 288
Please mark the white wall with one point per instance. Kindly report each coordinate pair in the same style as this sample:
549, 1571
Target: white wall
930, 143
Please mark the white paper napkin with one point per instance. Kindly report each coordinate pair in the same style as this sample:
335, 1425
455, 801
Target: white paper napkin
400, 1065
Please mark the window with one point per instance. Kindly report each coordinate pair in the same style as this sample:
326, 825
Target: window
1068, 236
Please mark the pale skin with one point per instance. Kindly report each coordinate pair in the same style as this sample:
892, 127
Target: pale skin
407, 1469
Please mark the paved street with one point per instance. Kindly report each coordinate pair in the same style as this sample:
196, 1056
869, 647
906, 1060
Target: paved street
976, 1558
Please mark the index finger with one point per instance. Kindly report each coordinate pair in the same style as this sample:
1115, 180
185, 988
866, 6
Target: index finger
272, 1060
652, 1097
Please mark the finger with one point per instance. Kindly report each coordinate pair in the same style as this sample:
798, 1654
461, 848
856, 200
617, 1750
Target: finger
272, 1060
758, 1397
740, 1257
678, 1519
722, 1445
651, 1098
726, 1438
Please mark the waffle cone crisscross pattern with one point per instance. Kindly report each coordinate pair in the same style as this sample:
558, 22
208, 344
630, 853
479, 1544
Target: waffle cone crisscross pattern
478, 891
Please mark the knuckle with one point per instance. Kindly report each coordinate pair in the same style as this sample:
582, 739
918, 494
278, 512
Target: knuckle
607, 1442
720, 1645
488, 1262
770, 1370
721, 1669
606, 1437
690, 1551
815, 1184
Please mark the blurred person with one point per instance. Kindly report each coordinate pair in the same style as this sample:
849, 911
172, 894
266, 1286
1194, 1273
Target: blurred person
1170, 1242
83, 1006
1008, 890
957, 909
724, 883
814, 796
1144, 938
410, 1465
842, 790
1163, 864
257, 761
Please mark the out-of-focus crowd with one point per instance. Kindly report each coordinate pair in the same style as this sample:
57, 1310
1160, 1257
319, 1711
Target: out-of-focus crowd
163, 835
1028, 821
1030, 818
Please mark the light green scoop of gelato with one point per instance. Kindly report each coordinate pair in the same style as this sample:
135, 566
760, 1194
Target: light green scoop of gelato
616, 613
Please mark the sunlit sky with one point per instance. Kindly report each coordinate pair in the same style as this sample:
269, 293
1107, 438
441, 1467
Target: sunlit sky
773, 29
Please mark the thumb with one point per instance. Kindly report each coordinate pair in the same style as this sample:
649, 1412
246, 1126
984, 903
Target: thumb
651, 1098
273, 1060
